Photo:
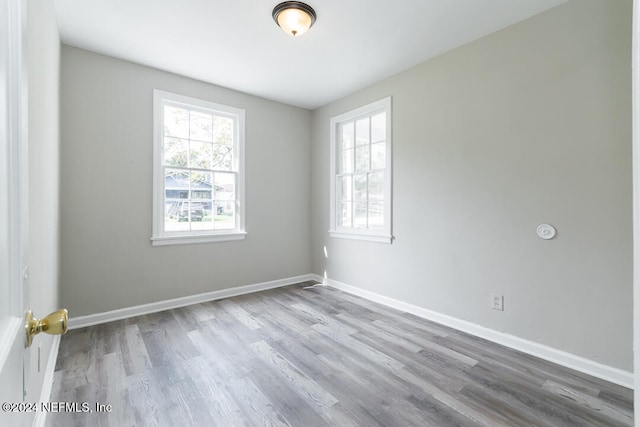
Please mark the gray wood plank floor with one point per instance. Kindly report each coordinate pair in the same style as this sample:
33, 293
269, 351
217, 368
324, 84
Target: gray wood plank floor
315, 357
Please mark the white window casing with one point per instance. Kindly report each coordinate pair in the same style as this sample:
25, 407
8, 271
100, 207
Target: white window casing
361, 173
198, 171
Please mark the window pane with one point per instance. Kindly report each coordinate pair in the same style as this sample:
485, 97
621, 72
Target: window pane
223, 130
344, 214
347, 135
362, 131
379, 127
376, 214
360, 187
176, 122
201, 155
201, 186
225, 216
201, 126
175, 152
376, 185
225, 186
360, 215
362, 158
199, 218
176, 184
378, 156
345, 188
170, 220
222, 157
346, 162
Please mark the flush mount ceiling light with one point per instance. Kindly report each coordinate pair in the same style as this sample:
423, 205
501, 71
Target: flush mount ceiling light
294, 17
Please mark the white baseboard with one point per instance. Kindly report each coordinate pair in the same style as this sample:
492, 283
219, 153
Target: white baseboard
572, 361
124, 313
47, 382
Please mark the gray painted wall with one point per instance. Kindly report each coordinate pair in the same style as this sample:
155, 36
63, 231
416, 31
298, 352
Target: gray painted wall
529, 125
43, 67
106, 195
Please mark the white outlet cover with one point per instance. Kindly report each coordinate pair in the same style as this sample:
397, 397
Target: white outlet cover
546, 231
497, 302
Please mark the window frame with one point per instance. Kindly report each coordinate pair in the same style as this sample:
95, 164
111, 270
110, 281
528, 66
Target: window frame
383, 235
161, 237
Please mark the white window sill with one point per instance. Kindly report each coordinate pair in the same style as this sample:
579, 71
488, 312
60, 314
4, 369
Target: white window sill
198, 238
378, 238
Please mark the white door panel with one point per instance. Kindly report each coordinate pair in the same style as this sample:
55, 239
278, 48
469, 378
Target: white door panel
13, 213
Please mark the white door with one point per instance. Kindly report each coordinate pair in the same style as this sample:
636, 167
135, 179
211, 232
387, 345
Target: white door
636, 204
13, 218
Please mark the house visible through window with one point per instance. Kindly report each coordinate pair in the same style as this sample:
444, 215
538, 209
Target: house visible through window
198, 171
361, 173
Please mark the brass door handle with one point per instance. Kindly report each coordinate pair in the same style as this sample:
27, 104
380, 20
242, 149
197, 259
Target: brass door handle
53, 324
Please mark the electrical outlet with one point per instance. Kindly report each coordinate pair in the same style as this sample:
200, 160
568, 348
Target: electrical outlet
497, 302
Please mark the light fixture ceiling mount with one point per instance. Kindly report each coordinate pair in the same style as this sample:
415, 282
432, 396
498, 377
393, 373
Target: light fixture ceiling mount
294, 17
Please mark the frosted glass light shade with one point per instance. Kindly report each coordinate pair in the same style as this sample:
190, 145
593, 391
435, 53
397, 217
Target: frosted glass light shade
294, 17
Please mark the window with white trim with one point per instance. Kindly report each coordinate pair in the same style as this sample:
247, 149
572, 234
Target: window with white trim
198, 178
360, 169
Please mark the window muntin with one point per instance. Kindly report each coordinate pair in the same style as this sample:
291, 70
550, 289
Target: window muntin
198, 170
361, 173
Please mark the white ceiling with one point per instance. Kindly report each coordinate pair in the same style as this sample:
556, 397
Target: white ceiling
236, 44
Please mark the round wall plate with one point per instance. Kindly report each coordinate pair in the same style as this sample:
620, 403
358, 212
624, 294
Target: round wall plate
546, 231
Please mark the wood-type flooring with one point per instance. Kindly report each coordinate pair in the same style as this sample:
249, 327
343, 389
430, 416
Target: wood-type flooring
313, 357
